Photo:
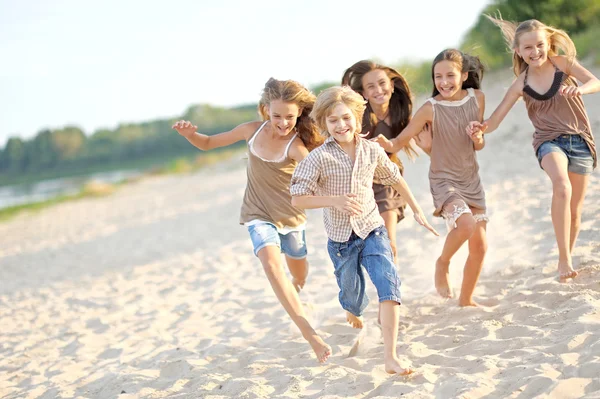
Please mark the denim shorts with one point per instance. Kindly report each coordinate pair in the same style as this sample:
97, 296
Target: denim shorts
263, 234
374, 253
574, 147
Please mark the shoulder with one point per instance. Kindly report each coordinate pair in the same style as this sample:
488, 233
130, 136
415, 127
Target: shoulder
298, 150
371, 146
518, 84
249, 128
479, 96
426, 110
562, 63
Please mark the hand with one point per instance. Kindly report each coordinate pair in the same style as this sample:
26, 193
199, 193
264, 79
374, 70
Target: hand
570, 91
425, 138
384, 142
347, 204
420, 218
476, 128
185, 128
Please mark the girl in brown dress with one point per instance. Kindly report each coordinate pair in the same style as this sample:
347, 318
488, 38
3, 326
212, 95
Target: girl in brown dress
563, 140
457, 192
388, 111
275, 146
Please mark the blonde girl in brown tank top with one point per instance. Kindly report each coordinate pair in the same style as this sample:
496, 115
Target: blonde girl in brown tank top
388, 111
457, 192
275, 146
563, 140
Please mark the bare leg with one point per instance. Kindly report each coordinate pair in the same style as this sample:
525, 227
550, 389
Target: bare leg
477, 250
299, 271
390, 313
579, 185
270, 258
555, 165
455, 239
390, 218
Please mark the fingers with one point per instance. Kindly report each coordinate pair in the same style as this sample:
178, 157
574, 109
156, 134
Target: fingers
569, 91
183, 125
420, 218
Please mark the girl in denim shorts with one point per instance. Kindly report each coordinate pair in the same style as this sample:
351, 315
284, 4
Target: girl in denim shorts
563, 140
275, 146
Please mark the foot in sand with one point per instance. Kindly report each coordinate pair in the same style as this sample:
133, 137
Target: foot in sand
442, 278
298, 284
468, 302
565, 272
393, 366
355, 321
321, 349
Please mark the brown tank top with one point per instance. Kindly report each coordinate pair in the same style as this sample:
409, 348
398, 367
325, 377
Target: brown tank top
553, 115
454, 171
267, 195
383, 129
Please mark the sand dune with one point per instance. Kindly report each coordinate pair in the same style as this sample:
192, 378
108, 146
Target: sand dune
154, 292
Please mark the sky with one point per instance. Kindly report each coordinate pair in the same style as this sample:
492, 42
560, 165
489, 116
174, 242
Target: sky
96, 64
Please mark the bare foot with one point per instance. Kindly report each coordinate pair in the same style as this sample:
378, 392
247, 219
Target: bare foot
442, 278
355, 321
393, 366
565, 272
298, 284
321, 349
470, 302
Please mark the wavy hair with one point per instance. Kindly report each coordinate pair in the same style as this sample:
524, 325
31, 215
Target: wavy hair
329, 98
465, 63
290, 91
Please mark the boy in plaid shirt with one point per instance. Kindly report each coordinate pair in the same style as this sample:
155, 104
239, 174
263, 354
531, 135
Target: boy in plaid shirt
338, 176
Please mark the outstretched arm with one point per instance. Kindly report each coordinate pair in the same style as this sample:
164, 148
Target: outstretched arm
422, 116
205, 143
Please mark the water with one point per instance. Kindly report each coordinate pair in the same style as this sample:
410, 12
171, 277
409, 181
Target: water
19, 194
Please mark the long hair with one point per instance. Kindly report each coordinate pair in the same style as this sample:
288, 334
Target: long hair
290, 91
557, 39
465, 63
400, 105
329, 98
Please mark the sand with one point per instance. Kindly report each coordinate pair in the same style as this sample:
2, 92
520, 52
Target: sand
154, 292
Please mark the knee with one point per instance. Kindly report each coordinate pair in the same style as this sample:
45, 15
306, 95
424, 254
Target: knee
465, 225
272, 267
562, 189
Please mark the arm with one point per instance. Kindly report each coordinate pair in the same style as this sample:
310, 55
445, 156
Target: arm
298, 150
388, 173
478, 141
590, 83
205, 143
304, 185
515, 91
422, 116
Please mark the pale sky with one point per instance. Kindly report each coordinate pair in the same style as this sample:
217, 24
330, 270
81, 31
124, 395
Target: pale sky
96, 64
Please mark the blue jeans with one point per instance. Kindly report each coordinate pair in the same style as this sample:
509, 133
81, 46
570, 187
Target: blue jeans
574, 147
293, 244
374, 254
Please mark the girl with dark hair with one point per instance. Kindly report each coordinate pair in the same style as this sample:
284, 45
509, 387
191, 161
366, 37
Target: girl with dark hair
457, 192
275, 146
388, 111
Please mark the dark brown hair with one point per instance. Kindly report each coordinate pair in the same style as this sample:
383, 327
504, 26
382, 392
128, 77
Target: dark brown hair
465, 63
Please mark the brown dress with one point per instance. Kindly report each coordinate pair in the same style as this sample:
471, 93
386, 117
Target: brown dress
267, 197
454, 171
386, 197
553, 115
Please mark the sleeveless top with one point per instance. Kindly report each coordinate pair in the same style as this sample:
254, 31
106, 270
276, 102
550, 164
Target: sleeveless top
385, 130
454, 171
267, 197
553, 114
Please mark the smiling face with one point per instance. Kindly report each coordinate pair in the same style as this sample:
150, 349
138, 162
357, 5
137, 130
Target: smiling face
448, 79
341, 123
377, 87
533, 47
283, 116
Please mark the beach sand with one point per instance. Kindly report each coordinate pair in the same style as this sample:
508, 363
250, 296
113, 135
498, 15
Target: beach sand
154, 292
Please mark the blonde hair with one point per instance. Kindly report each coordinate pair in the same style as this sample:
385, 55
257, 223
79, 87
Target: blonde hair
290, 91
330, 98
557, 38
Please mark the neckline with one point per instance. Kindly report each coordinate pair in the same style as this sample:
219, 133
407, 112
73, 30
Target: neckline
556, 82
282, 158
457, 103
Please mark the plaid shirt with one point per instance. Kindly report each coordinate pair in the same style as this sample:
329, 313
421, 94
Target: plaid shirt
328, 170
